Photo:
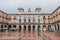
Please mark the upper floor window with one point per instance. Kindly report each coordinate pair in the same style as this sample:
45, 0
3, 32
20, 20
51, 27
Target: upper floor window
19, 17
48, 17
59, 13
3, 16
44, 17
19, 20
9, 17
28, 20
33, 20
39, 19
25, 20
14, 17
56, 15
0, 15
44, 21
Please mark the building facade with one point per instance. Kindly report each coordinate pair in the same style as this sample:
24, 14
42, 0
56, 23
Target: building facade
30, 21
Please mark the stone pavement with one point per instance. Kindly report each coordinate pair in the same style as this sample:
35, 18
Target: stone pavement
19, 36
52, 35
29, 36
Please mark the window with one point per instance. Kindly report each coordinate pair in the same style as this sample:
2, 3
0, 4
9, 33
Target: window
33, 20
59, 13
19, 20
56, 15
38, 10
25, 20
39, 19
48, 21
44, 17
48, 17
0, 15
3, 16
9, 17
44, 21
19, 17
28, 20
14, 17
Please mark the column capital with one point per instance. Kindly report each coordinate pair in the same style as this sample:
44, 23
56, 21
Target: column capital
26, 25
22, 25
36, 25
41, 25
31, 25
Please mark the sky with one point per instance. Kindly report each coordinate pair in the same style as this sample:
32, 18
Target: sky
11, 6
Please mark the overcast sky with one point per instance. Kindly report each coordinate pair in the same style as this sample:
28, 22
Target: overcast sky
11, 6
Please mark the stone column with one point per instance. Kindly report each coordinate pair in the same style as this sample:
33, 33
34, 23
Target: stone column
27, 28
17, 27
59, 26
36, 28
41, 27
22, 30
46, 27
54, 28
11, 27
22, 26
31, 28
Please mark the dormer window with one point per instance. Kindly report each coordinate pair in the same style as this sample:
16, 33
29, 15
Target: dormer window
38, 9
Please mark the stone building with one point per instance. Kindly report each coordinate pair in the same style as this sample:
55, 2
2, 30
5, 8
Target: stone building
30, 21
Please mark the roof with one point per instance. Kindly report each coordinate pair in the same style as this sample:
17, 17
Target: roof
55, 10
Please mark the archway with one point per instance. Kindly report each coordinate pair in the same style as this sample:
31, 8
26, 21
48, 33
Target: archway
58, 26
29, 28
44, 27
5, 28
24, 28
9, 27
33, 28
49, 28
55, 27
1, 28
20, 28
38, 28
14, 28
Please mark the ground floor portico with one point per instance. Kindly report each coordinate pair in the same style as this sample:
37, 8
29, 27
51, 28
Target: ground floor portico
31, 27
